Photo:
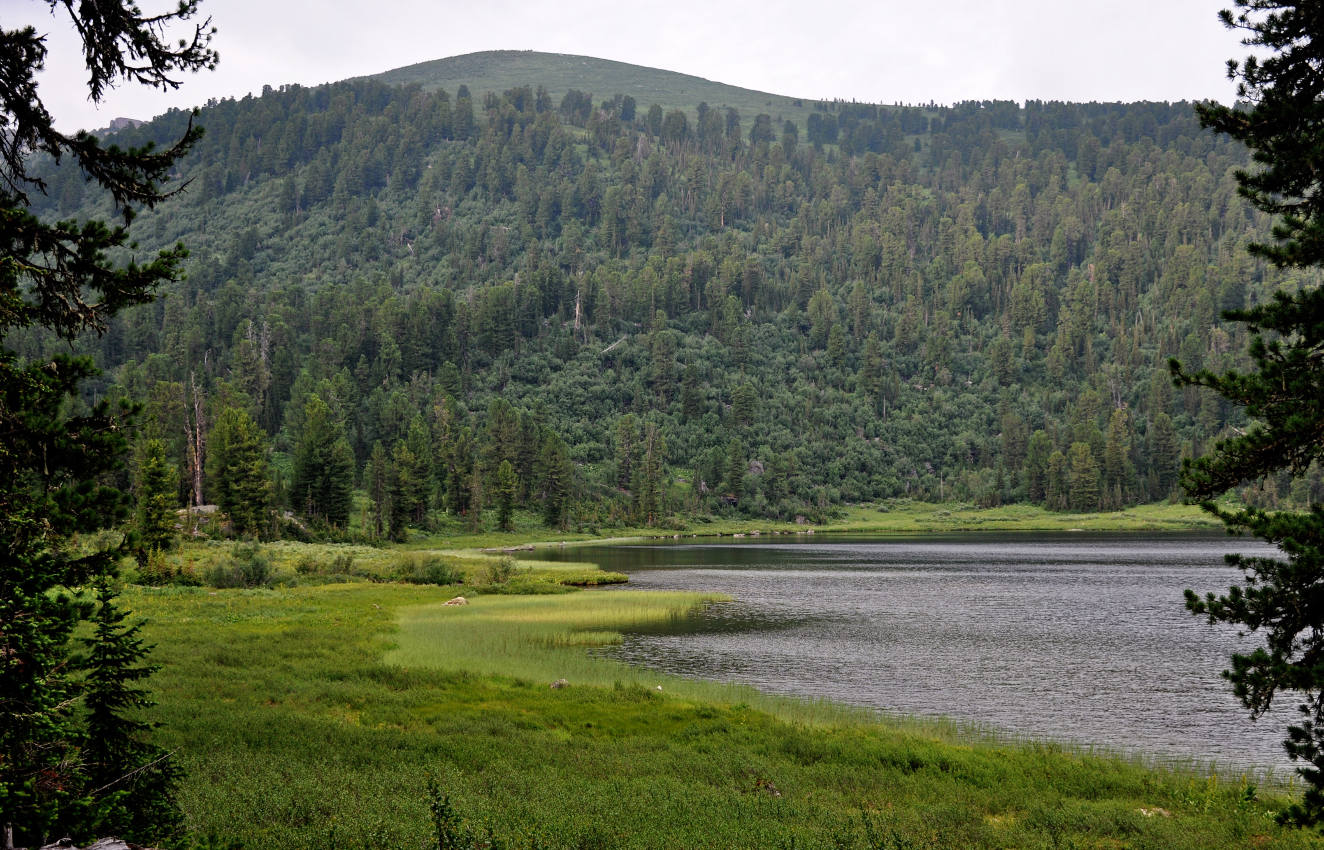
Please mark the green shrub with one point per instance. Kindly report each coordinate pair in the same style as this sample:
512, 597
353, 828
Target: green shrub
500, 570
155, 569
246, 567
428, 569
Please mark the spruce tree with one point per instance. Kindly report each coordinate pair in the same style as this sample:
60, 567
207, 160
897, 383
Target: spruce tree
323, 467
240, 471
554, 471
131, 780
154, 512
63, 277
506, 484
1281, 120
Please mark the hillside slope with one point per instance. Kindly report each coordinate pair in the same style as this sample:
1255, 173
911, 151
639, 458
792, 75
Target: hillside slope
495, 71
612, 311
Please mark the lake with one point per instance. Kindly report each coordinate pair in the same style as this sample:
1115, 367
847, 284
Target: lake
1074, 637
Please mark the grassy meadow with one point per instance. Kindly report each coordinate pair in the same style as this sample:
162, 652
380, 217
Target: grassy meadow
315, 715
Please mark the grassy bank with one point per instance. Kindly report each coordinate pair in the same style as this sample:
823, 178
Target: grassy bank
312, 716
895, 516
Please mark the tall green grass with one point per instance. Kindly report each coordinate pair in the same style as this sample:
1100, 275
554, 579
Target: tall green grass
296, 734
535, 637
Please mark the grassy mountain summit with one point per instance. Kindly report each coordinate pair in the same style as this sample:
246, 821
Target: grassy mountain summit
496, 71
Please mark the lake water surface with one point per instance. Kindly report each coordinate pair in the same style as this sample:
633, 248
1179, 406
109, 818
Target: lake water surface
1070, 636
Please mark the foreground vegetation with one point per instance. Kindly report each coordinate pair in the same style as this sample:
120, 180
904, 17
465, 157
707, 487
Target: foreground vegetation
315, 716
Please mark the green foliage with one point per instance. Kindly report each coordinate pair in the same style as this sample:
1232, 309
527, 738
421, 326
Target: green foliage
429, 569
247, 566
1283, 393
156, 489
132, 780
466, 280
505, 495
59, 281
323, 478
240, 472
499, 571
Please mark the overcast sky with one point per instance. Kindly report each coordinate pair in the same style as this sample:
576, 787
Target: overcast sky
884, 51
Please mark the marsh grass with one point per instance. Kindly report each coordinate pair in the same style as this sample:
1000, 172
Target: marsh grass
233, 564
904, 515
296, 734
539, 638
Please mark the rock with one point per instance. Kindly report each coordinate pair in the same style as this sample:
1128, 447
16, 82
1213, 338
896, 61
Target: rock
559, 684
459, 600
99, 844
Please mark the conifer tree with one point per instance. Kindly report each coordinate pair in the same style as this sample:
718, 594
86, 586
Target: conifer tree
154, 513
323, 467
240, 472
1282, 123
62, 277
554, 471
131, 780
377, 480
1083, 478
505, 495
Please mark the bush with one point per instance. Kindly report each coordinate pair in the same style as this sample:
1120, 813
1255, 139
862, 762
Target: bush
500, 570
155, 569
246, 567
341, 566
428, 569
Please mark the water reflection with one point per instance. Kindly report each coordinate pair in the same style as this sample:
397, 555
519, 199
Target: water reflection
1073, 637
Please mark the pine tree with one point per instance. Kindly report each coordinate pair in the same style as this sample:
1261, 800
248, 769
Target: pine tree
648, 490
156, 488
1163, 452
505, 495
240, 472
131, 780
554, 471
1117, 469
1083, 478
1057, 489
1284, 394
323, 467
378, 482
62, 277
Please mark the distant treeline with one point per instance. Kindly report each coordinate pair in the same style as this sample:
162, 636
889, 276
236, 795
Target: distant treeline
640, 313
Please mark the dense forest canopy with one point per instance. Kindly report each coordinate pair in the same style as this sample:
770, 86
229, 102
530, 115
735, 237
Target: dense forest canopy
646, 312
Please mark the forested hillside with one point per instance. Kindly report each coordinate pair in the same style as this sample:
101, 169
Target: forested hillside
608, 311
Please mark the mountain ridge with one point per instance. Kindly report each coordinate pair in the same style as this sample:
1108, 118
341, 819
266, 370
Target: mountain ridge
498, 70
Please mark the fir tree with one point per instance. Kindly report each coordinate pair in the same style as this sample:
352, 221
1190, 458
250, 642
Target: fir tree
323, 467
61, 277
554, 471
131, 780
1284, 394
154, 514
505, 495
240, 472
378, 482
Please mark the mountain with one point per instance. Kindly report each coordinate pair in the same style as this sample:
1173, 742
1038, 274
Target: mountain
496, 71
612, 309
